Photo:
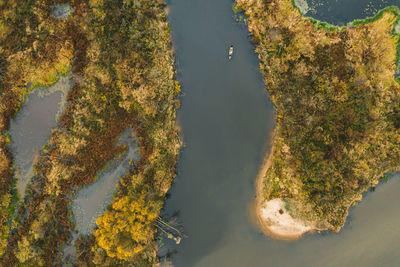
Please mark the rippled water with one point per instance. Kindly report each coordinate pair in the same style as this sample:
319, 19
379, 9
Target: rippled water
226, 119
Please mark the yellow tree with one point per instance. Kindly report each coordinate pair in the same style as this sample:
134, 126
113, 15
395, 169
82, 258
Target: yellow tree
126, 229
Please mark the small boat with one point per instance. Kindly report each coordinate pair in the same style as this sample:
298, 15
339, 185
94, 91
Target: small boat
230, 53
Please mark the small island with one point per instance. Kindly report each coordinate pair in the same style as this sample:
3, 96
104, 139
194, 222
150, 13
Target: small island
338, 115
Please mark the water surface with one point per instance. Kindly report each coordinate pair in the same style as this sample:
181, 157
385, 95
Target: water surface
91, 201
340, 12
31, 128
226, 118
61, 11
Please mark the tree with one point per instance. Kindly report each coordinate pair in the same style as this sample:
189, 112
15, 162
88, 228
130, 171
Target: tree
126, 229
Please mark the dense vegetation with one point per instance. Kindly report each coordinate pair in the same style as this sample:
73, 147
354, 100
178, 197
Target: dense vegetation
337, 102
32, 49
120, 56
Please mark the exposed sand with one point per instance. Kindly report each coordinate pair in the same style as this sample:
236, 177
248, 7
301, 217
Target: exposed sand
272, 216
279, 221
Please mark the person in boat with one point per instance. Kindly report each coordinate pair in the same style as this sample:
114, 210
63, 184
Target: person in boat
230, 53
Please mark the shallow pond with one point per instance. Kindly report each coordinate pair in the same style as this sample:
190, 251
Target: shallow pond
91, 201
61, 11
31, 128
226, 119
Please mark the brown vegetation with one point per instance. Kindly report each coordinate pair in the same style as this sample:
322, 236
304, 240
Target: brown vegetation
32, 48
123, 75
337, 107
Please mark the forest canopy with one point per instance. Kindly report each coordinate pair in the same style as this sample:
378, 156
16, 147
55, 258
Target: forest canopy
119, 55
337, 103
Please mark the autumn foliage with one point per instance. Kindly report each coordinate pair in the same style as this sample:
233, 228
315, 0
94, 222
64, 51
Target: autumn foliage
336, 99
126, 229
32, 49
119, 53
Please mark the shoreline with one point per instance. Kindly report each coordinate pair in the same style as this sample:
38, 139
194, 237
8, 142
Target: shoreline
258, 203
267, 212
256, 206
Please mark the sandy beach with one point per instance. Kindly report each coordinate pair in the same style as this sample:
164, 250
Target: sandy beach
271, 215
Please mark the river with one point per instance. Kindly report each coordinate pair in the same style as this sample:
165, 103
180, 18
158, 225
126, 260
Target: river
226, 120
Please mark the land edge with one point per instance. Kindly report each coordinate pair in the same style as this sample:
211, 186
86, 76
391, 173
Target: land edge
259, 201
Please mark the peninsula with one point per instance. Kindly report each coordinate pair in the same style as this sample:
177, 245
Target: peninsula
338, 118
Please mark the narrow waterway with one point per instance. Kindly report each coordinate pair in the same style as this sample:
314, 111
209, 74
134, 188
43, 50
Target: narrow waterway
31, 128
226, 119
91, 201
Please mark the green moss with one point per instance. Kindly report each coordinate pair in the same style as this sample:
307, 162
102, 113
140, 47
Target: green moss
390, 9
49, 79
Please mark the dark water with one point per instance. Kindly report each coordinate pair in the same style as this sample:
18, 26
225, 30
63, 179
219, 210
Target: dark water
341, 12
31, 128
226, 118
